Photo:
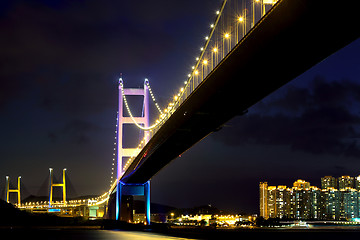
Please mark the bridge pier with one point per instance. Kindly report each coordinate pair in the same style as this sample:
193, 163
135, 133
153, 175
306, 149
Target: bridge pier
124, 206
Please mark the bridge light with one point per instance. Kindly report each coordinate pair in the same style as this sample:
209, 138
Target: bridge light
241, 19
269, 2
205, 62
196, 72
215, 50
212, 25
226, 35
202, 49
217, 12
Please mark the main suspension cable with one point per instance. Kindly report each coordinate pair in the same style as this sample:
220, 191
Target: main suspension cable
130, 113
152, 96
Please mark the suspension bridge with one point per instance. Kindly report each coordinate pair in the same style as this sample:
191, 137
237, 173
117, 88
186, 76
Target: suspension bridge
253, 48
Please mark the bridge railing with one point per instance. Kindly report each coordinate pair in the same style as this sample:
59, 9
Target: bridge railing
70, 203
233, 20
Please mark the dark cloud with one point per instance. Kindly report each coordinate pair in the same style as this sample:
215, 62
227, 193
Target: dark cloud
317, 120
336, 93
52, 137
8, 90
74, 52
79, 131
78, 95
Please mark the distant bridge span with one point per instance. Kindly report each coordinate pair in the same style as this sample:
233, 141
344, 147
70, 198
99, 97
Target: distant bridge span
293, 36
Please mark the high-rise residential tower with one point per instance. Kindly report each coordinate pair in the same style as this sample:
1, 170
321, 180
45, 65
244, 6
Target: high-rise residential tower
328, 182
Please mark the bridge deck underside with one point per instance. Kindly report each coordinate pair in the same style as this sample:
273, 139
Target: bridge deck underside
294, 36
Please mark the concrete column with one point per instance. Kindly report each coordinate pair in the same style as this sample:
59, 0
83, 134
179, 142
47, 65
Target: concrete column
118, 200
64, 187
146, 111
147, 202
18, 191
50, 187
120, 133
7, 185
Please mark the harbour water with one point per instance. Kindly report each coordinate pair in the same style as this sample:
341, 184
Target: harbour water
98, 234
80, 234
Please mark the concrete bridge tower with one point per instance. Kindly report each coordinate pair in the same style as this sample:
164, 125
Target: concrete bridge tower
52, 185
124, 191
16, 190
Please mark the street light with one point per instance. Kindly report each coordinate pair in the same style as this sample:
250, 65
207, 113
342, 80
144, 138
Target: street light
226, 37
214, 57
205, 62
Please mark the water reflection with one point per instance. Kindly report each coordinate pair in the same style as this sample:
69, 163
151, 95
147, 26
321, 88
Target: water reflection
134, 235
77, 234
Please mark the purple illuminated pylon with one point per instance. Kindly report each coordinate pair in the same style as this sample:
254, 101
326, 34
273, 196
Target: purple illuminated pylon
128, 152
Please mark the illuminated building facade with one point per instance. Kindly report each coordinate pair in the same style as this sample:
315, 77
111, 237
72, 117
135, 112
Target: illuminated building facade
349, 203
263, 199
329, 204
328, 182
304, 201
212, 219
357, 183
346, 182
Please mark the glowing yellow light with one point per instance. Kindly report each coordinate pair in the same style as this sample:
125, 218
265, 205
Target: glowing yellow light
196, 72
205, 62
215, 50
226, 35
181, 89
240, 19
176, 97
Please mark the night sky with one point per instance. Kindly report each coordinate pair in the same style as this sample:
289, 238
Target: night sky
59, 66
